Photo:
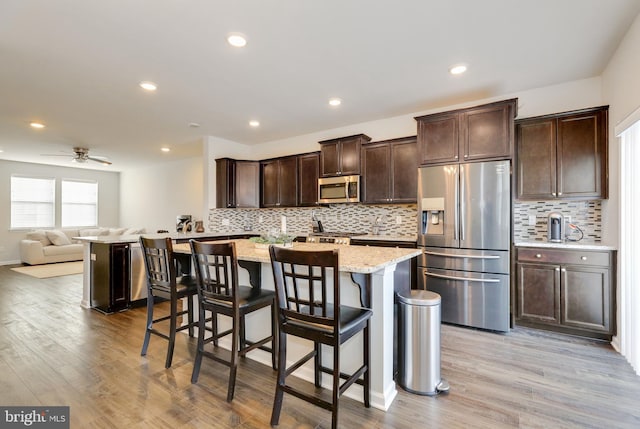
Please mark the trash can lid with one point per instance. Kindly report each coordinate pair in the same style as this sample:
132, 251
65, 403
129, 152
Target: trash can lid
420, 297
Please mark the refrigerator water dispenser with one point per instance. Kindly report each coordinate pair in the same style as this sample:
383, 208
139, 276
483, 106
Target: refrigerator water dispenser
432, 216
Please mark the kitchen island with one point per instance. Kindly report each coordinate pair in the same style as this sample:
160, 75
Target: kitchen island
366, 278
113, 270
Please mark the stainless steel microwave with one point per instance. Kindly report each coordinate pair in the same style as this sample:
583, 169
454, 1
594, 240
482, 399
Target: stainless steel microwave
342, 189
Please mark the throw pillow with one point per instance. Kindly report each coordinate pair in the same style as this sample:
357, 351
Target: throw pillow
93, 232
116, 231
58, 238
133, 231
39, 235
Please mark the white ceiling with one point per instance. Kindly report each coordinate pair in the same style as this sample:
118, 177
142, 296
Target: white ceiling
75, 65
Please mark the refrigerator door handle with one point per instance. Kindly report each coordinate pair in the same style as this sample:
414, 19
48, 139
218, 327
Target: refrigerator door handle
462, 201
456, 207
451, 255
464, 279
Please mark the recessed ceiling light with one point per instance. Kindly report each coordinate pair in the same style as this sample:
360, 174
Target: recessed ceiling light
165, 149
458, 69
149, 86
254, 123
335, 102
194, 125
237, 40
1, 151
37, 125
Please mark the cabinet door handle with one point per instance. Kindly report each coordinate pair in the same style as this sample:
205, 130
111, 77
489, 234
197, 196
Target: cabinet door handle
557, 268
466, 156
538, 255
584, 258
559, 193
564, 270
455, 157
553, 193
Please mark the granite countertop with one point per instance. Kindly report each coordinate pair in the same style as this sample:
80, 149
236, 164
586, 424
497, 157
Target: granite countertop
117, 239
578, 245
354, 259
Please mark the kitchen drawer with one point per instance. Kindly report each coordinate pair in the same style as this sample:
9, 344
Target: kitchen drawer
486, 261
564, 257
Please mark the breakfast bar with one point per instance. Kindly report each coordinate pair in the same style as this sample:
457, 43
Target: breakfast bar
366, 279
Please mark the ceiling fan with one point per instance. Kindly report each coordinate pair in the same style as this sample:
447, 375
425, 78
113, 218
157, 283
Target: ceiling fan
81, 155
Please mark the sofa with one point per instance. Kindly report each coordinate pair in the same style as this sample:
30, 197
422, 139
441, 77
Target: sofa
58, 245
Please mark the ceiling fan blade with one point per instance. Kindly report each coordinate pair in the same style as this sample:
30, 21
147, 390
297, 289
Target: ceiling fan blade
101, 160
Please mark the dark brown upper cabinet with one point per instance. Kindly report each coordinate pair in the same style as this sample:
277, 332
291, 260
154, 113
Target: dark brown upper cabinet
279, 182
563, 156
308, 173
389, 171
478, 133
341, 157
237, 183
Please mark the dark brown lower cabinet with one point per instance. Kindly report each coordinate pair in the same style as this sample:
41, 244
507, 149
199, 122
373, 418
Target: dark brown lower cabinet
568, 291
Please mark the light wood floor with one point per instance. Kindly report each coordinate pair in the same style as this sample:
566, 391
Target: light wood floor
53, 352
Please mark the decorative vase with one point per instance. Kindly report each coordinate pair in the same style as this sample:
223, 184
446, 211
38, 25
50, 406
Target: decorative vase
199, 227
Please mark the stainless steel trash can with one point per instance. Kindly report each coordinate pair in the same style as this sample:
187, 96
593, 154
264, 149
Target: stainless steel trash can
419, 343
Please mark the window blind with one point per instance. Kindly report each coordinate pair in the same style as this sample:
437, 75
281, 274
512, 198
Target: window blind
79, 203
32, 202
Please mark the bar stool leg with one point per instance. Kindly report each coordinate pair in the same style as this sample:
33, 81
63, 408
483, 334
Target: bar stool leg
282, 370
274, 335
336, 386
367, 361
233, 367
172, 332
317, 362
190, 314
147, 334
202, 323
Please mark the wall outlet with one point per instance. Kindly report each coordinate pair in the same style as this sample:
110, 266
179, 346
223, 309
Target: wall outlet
225, 222
398, 220
532, 220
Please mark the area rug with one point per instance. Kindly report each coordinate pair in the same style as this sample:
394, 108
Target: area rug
51, 270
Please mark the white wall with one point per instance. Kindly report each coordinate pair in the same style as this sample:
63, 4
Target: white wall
108, 199
557, 98
152, 197
621, 90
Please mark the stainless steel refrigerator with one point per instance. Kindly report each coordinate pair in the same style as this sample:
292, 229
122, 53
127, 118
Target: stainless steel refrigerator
464, 229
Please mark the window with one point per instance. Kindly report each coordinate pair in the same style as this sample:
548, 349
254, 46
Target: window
32, 202
79, 203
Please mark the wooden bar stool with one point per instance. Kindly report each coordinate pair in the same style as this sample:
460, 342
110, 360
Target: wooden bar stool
216, 266
162, 283
302, 281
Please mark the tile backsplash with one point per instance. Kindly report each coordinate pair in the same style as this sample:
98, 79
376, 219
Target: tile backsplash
360, 218
395, 219
585, 214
